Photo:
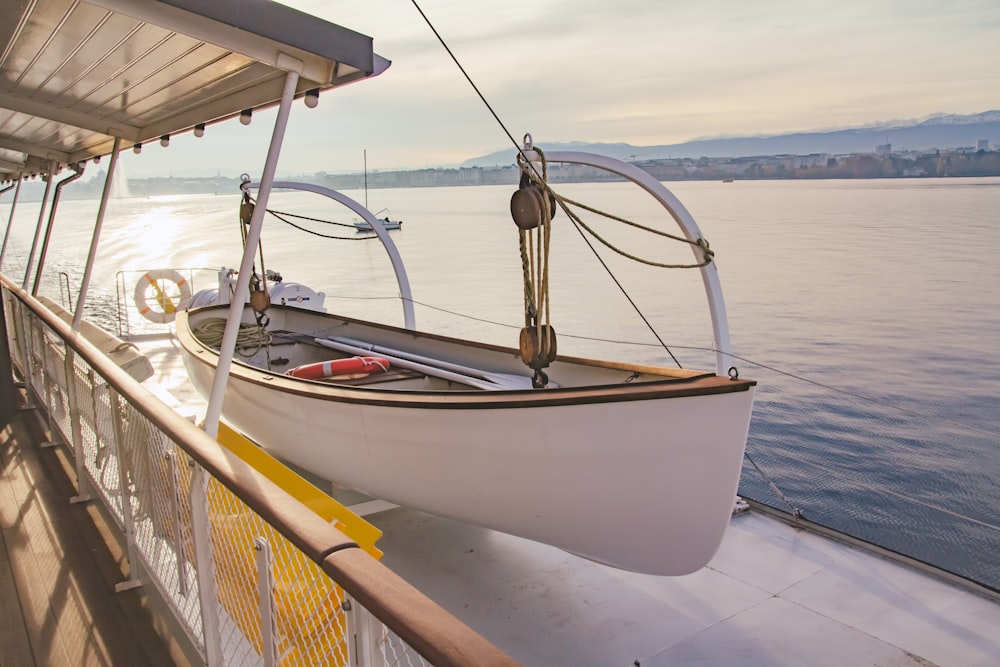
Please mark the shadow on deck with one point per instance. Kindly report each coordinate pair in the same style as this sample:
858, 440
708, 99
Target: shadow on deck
59, 563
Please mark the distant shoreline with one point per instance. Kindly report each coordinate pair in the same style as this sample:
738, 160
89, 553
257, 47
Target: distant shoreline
817, 166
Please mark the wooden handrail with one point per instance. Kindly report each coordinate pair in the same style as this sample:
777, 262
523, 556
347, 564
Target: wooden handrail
418, 620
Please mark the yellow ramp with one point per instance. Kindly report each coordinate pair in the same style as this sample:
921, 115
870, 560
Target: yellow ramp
349, 523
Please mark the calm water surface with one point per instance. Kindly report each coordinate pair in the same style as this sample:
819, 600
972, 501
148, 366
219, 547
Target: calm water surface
868, 311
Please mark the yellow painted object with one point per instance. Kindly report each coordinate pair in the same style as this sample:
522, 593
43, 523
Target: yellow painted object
309, 616
322, 504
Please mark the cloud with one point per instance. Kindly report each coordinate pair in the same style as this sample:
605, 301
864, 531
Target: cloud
634, 71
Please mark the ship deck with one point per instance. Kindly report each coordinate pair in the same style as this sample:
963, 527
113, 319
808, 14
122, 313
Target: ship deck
59, 564
774, 594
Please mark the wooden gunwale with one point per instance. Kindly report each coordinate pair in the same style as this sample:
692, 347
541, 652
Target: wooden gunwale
676, 383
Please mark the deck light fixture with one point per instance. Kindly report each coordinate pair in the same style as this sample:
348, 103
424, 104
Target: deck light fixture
245, 116
137, 149
312, 98
165, 140
199, 130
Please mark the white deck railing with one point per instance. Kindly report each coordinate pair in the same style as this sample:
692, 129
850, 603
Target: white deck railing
251, 575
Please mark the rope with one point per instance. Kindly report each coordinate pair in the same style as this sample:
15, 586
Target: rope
279, 214
534, 244
796, 512
249, 339
701, 243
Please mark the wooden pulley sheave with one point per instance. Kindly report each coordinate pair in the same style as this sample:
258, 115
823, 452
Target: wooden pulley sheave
537, 345
246, 211
532, 206
260, 300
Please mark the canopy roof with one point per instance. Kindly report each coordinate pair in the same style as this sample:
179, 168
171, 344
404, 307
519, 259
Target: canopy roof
74, 74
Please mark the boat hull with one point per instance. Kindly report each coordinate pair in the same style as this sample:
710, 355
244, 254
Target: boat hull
644, 483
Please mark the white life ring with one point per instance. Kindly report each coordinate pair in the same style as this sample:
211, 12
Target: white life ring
168, 300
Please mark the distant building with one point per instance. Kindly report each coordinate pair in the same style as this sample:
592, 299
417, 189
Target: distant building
883, 149
983, 145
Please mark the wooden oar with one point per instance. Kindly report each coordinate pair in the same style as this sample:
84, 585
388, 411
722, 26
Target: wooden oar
507, 380
428, 369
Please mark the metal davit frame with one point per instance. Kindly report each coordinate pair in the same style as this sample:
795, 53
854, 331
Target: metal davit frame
283, 586
684, 220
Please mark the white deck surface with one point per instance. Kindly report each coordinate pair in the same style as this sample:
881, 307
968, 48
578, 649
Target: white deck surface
773, 595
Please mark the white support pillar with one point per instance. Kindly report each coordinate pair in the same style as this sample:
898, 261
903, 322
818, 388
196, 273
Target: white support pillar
38, 227
10, 221
95, 239
214, 411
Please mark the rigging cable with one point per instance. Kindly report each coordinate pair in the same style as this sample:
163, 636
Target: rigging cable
590, 245
533, 168
859, 396
279, 215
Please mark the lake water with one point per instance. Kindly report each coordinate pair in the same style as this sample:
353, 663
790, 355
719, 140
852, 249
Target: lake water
868, 311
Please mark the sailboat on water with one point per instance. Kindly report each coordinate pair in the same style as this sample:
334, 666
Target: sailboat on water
382, 216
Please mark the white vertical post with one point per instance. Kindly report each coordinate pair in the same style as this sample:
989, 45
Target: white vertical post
228, 345
38, 227
128, 516
76, 431
95, 239
10, 222
362, 635
265, 596
101, 454
27, 322
175, 513
356, 642
198, 501
47, 383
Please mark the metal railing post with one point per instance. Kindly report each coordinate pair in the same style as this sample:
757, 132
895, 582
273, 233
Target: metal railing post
265, 591
361, 635
76, 430
198, 499
26, 330
128, 519
47, 383
175, 511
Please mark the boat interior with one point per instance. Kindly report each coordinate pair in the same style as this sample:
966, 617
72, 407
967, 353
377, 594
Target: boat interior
294, 337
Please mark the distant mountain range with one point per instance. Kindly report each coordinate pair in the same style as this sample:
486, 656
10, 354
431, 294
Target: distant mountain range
942, 132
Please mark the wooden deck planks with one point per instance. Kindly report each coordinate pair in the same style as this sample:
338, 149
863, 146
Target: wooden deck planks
15, 645
58, 567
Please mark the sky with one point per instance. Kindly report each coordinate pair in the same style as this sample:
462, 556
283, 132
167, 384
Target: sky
643, 72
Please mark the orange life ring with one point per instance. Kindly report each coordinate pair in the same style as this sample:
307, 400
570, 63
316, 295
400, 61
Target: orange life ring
170, 292
358, 366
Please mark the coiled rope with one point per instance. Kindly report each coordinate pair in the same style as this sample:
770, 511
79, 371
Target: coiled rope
250, 338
